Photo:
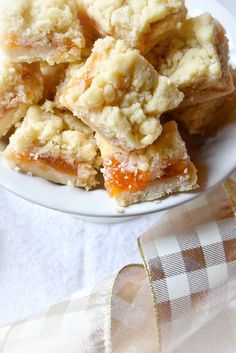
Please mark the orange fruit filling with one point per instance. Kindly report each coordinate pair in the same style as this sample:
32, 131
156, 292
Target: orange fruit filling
59, 163
14, 41
121, 180
175, 168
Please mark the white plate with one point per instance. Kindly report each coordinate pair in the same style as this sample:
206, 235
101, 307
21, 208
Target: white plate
216, 159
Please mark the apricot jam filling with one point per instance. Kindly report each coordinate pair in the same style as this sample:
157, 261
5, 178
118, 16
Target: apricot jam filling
14, 41
58, 163
175, 168
118, 179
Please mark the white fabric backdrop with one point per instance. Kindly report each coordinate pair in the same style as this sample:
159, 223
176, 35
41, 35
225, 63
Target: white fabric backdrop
45, 255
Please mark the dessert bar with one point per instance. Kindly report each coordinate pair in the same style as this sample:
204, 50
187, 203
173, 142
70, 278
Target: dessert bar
196, 59
140, 23
56, 146
150, 173
120, 95
20, 86
47, 30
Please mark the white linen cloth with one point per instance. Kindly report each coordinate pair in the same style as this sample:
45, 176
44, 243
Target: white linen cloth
45, 255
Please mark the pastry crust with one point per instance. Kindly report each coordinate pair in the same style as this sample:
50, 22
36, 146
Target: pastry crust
56, 146
20, 86
140, 23
38, 30
119, 94
196, 59
207, 117
149, 174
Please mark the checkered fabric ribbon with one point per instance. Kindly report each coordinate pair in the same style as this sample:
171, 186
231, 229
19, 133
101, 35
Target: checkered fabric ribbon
190, 260
76, 325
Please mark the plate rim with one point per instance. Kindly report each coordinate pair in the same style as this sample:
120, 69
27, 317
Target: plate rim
121, 215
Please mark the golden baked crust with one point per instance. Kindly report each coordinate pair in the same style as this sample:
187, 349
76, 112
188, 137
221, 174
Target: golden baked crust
37, 30
140, 23
119, 94
150, 173
196, 59
20, 86
205, 118
56, 146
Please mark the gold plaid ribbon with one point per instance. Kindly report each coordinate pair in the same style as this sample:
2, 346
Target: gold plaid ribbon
190, 260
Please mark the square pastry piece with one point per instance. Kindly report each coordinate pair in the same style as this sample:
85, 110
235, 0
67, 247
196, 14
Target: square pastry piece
140, 23
56, 146
37, 30
148, 174
196, 60
120, 95
20, 86
205, 118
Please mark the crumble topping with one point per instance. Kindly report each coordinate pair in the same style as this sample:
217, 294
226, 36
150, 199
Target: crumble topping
56, 133
118, 93
56, 146
19, 83
41, 30
132, 21
190, 57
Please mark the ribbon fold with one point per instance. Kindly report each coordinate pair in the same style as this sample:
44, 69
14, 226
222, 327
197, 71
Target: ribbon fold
187, 279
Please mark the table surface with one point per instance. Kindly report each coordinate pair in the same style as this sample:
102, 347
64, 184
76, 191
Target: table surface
46, 255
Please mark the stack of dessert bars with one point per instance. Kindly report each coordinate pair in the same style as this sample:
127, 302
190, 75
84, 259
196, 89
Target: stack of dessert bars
91, 92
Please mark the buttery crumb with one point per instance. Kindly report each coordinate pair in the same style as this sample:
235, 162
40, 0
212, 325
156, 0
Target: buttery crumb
120, 209
20, 86
129, 118
70, 184
47, 30
57, 145
195, 58
140, 23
